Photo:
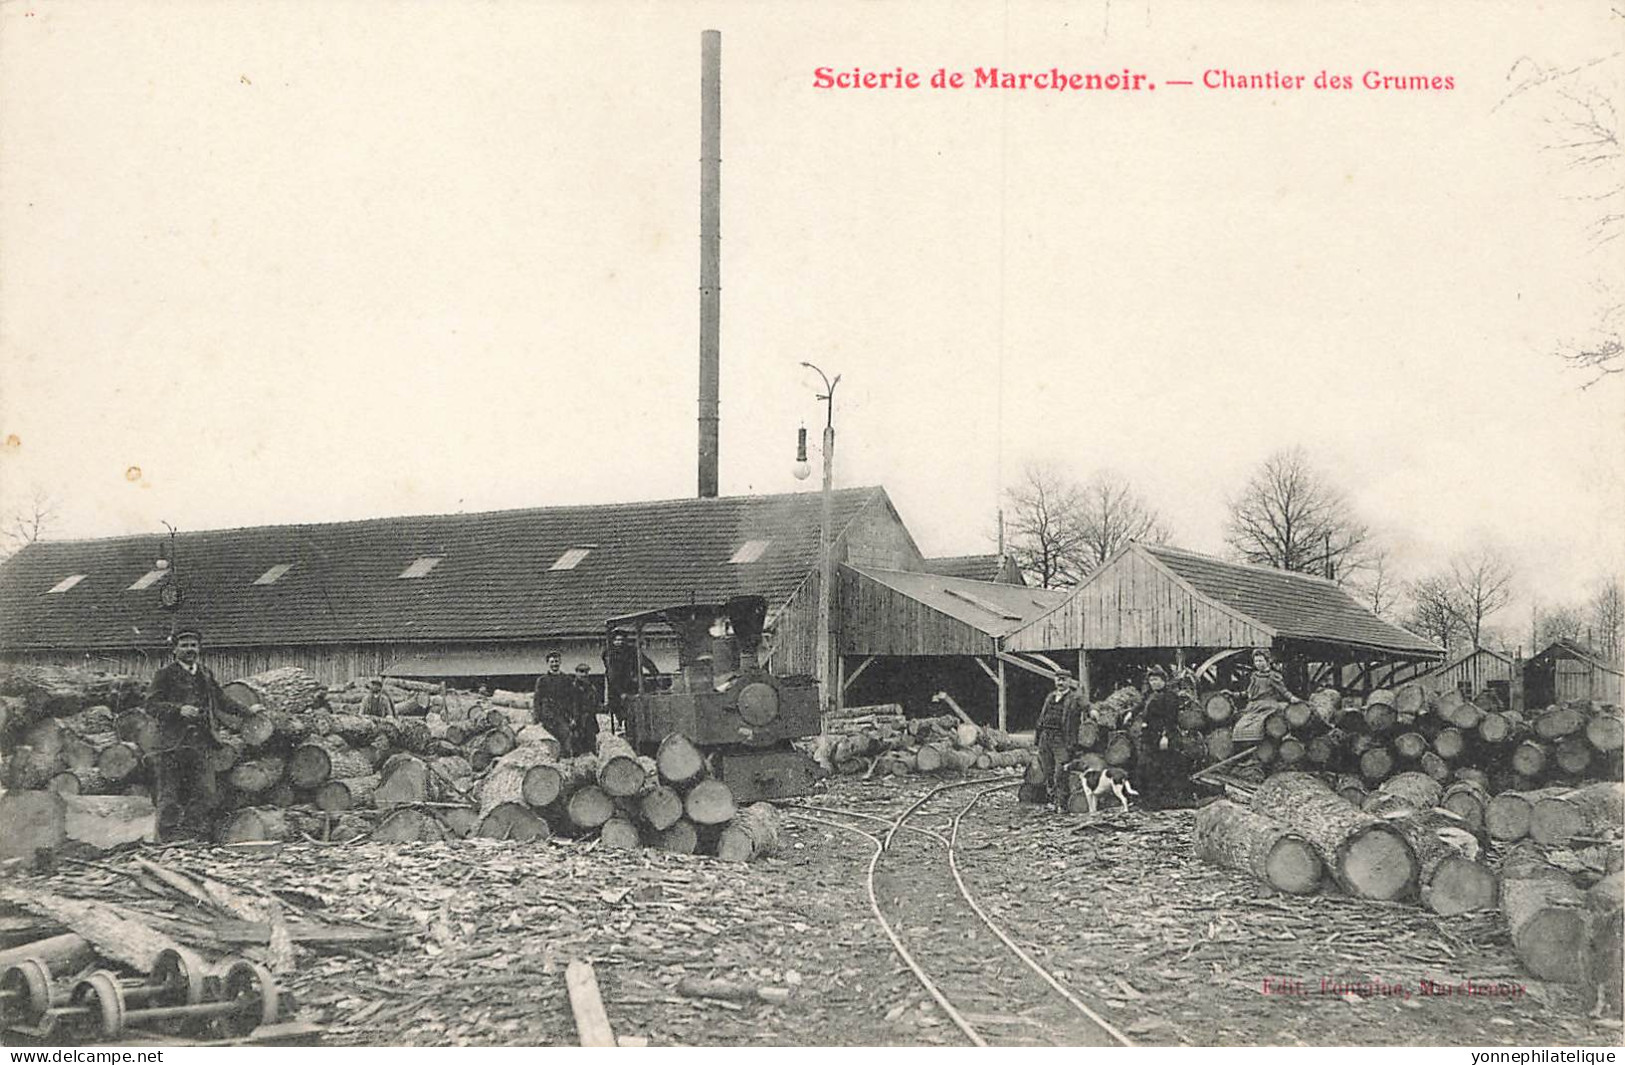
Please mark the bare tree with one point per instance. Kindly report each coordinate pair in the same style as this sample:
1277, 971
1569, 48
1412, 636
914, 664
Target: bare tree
31, 520
1481, 584
1045, 527
1607, 608
1433, 613
1581, 132
1559, 622
1373, 580
1111, 514
1288, 516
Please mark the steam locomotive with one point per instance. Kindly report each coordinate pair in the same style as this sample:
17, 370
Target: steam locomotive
742, 715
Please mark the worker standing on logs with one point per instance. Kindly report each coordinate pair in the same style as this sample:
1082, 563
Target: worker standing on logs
188, 705
1157, 763
584, 709
377, 703
621, 664
1061, 707
551, 705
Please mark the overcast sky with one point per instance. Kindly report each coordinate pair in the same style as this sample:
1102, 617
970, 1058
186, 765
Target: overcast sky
305, 262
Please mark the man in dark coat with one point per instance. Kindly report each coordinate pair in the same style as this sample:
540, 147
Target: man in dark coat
584, 710
186, 702
1060, 714
551, 705
377, 703
622, 661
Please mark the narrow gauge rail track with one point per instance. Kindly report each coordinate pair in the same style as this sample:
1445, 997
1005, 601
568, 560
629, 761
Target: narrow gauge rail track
1033, 987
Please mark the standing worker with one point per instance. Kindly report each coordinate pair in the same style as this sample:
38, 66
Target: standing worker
188, 705
584, 710
1061, 706
377, 703
622, 662
550, 706
1159, 717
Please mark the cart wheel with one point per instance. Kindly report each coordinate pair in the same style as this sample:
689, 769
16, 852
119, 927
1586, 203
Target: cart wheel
181, 975
25, 993
252, 987
101, 992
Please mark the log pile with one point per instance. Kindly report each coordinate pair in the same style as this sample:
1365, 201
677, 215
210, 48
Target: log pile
301, 762
879, 741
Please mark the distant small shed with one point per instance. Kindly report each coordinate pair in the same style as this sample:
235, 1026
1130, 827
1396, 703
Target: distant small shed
1476, 671
1567, 671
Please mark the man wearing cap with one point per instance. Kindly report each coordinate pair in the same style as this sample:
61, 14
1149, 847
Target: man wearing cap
1061, 711
550, 706
584, 709
188, 706
377, 703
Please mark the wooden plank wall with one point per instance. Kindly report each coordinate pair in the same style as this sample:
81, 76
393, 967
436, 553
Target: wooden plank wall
877, 620
1582, 681
1475, 670
1132, 603
795, 634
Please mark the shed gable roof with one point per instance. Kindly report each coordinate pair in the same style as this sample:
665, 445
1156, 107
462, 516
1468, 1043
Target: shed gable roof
1294, 605
495, 580
969, 567
988, 606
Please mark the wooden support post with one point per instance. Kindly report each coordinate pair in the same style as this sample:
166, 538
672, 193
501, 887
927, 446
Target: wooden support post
1083, 675
1004, 708
852, 677
992, 676
840, 681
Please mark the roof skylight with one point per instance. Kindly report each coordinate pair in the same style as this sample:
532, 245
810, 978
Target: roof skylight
64, 584
148, 579
274, 574
750, 551
421, 567
572, 558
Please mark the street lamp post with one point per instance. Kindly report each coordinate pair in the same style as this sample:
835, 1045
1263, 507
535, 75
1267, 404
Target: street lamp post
826, 559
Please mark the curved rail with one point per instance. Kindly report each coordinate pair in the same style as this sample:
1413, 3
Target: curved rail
949, 845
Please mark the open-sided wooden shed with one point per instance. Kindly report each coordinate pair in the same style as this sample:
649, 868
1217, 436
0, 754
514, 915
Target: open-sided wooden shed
1150, 602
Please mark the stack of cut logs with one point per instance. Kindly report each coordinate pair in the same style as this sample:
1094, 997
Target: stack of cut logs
881, 741
461, 765
1413, 839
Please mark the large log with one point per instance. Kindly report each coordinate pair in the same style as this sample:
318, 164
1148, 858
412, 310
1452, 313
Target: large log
115, 932
753, 833
65, 953
1606, 731
1418, 789
1508, 815
1366, 857
1454, 710
1450, 744
1234, 837
1468, 800
36, 820
1546, 915
1573, 754
1219, 708
1450, 873
619, 833
1559, 721
409, 825
1558, 815
350, 793
1376, 763
710, 802
680, 838
1410, 745
661, 807
1119, 749
619, 772
588, 807
257, 775
255, 824
403, 781
514, 821
315, 762
286, 688
119, 761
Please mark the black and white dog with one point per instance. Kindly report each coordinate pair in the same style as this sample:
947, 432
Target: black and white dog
1098, 782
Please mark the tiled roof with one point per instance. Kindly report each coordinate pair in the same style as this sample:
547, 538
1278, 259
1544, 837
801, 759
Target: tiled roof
1295, 605
494, 580
993, 608
970, 567
1563, 647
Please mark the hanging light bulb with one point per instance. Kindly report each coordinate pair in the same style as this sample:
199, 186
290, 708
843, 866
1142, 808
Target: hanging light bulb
802, 468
